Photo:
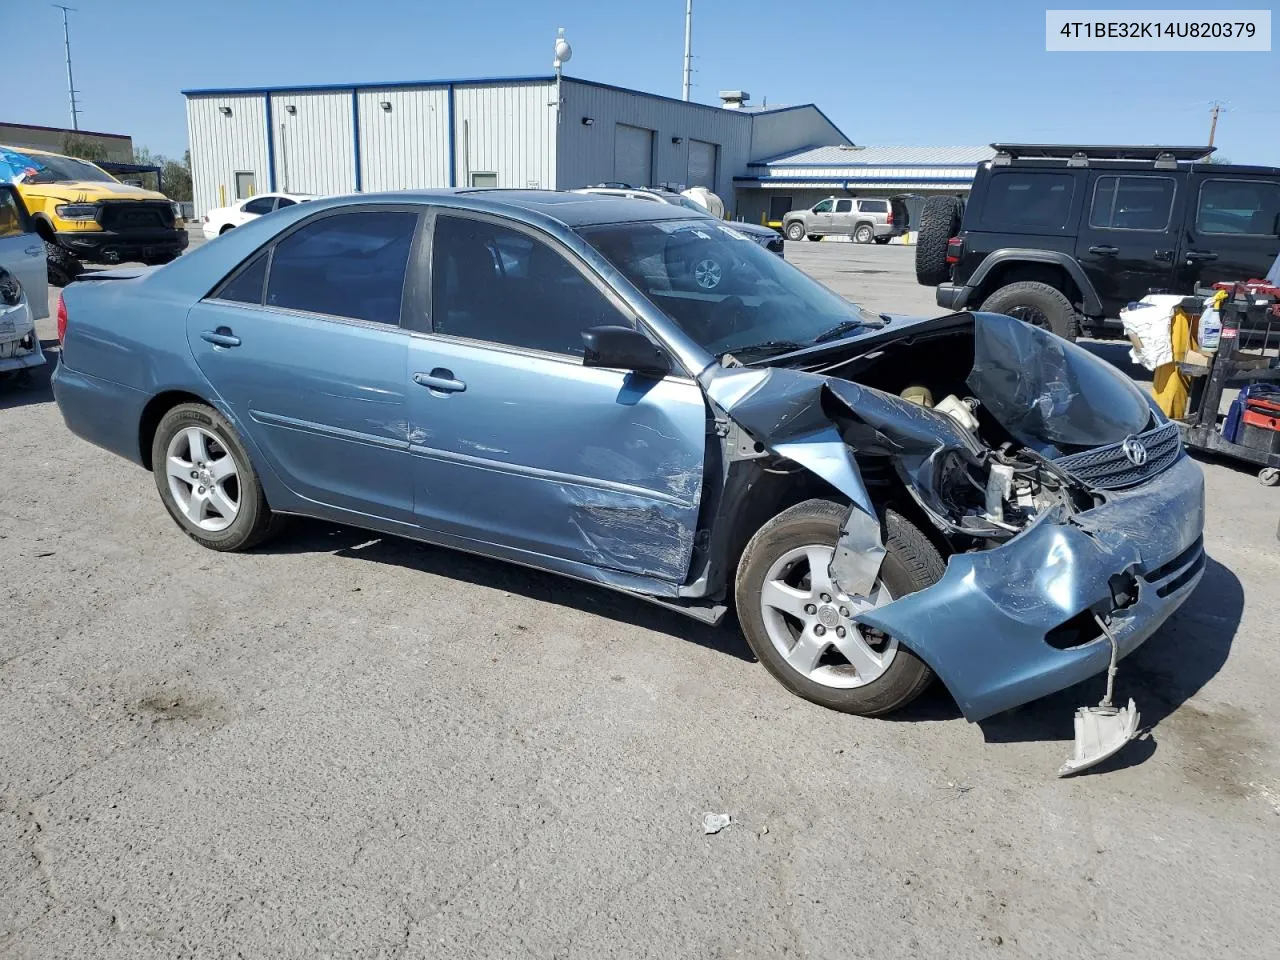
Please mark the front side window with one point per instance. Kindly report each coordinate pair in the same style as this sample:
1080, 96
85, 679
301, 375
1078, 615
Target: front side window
345, 265
727, 292
844, 206
494, 283
1028, 200
823, 206
1132, 203
1244, 207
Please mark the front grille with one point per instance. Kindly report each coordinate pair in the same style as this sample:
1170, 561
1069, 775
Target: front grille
1109, 468
136, 215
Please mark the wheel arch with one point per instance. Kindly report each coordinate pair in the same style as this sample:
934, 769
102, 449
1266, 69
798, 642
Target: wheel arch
154, 412
1014, 264
44, 227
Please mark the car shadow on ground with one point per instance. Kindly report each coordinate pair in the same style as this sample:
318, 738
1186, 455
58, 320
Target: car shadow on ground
1161, 675
31, 386
315, 536
1116, 353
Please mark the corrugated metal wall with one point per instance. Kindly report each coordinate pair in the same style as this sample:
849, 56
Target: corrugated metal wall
507, 129
315, 146
221, 145
406, 147
786, 131
587, 152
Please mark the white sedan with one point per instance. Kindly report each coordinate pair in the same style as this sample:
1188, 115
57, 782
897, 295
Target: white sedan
221, 219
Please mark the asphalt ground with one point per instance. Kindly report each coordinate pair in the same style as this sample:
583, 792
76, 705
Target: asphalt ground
345, 745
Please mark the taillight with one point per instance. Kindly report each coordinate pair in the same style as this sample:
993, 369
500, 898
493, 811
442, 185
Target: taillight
955, 249
62, 319
890, 220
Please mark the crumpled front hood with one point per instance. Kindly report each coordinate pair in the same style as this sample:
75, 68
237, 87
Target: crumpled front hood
86, 191
1050, 394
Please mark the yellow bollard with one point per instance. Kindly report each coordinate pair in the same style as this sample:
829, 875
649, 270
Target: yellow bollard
222, 194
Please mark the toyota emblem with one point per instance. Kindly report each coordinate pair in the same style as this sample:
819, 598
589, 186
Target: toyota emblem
1134, 451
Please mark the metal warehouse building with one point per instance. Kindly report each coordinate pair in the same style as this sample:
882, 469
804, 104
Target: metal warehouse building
504, 132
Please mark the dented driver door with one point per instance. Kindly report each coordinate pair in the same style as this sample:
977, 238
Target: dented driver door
516, 444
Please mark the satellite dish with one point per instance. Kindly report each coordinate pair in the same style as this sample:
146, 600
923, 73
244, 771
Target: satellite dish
563, 51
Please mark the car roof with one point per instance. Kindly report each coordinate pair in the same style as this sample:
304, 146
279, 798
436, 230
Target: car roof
569, 208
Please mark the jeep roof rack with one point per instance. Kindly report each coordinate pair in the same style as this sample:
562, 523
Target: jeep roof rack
1079, 155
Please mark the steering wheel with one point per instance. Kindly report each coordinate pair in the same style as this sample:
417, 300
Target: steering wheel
722, 320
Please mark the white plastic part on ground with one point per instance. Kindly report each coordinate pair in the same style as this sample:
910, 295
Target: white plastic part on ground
1100, 733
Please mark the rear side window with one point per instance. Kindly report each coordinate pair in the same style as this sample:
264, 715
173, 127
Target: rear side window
260, 205
1132, 203
346, 265
10, 215
1028, 200
874, 206
246, 286
1244, 207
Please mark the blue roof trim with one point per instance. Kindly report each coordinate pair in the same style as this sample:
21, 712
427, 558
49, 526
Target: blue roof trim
384, 85
805, 106
543, 78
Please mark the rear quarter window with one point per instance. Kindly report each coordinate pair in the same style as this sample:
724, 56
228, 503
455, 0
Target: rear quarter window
1032, 201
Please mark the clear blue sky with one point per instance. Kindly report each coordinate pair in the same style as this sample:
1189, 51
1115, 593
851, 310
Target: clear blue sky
910, 72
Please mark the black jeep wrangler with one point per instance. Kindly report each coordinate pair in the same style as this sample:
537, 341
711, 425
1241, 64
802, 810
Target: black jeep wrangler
1065, 236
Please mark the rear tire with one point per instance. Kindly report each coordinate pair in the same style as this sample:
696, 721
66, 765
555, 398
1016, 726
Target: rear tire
795, 231
1038, 304
911, 563
62, 265
229, 226
939, 222
863, 233
251, 521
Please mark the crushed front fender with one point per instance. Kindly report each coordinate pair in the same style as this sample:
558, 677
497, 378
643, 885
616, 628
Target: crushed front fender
984, 627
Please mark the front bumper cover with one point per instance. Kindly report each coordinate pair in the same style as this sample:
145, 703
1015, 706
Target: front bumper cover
996, 607
109, 246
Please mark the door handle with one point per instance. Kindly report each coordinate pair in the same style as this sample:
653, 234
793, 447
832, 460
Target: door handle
1194, 255
1164, 256
222, 337
33, 251
440, 380
1104, 251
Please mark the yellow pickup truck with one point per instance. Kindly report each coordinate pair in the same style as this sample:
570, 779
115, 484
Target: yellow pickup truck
84, 214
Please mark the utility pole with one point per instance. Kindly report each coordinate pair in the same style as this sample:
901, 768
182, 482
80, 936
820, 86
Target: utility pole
688, 46
71, 84
1213, 121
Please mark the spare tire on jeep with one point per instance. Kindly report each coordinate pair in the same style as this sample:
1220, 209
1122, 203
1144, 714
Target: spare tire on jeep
939, 222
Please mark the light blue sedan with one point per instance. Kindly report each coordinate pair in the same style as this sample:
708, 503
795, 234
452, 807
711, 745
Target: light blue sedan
619, 392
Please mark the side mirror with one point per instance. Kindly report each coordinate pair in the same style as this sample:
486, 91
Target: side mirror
624, 349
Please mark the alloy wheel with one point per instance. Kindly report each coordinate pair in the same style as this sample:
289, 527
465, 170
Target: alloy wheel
203, 479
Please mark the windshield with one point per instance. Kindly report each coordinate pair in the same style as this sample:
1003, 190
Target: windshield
51, 169
683, 201
724, 290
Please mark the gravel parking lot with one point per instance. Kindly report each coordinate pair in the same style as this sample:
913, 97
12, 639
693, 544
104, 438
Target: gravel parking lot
350, 746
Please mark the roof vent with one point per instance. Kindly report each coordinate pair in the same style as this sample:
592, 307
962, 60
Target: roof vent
734, 99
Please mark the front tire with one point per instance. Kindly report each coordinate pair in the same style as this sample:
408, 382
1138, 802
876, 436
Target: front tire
783, 575
1037, 304
795, 231
61, 264
207, 482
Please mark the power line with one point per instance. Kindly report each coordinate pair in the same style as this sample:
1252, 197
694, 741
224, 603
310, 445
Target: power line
71, 84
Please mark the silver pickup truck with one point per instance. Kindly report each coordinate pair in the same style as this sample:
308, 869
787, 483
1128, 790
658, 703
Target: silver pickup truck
863, 219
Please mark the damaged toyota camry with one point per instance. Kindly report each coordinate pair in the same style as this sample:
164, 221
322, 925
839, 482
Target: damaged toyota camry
612, 391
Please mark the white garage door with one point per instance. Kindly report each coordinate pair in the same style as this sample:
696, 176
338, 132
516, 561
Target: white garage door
633, 155
702, 164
